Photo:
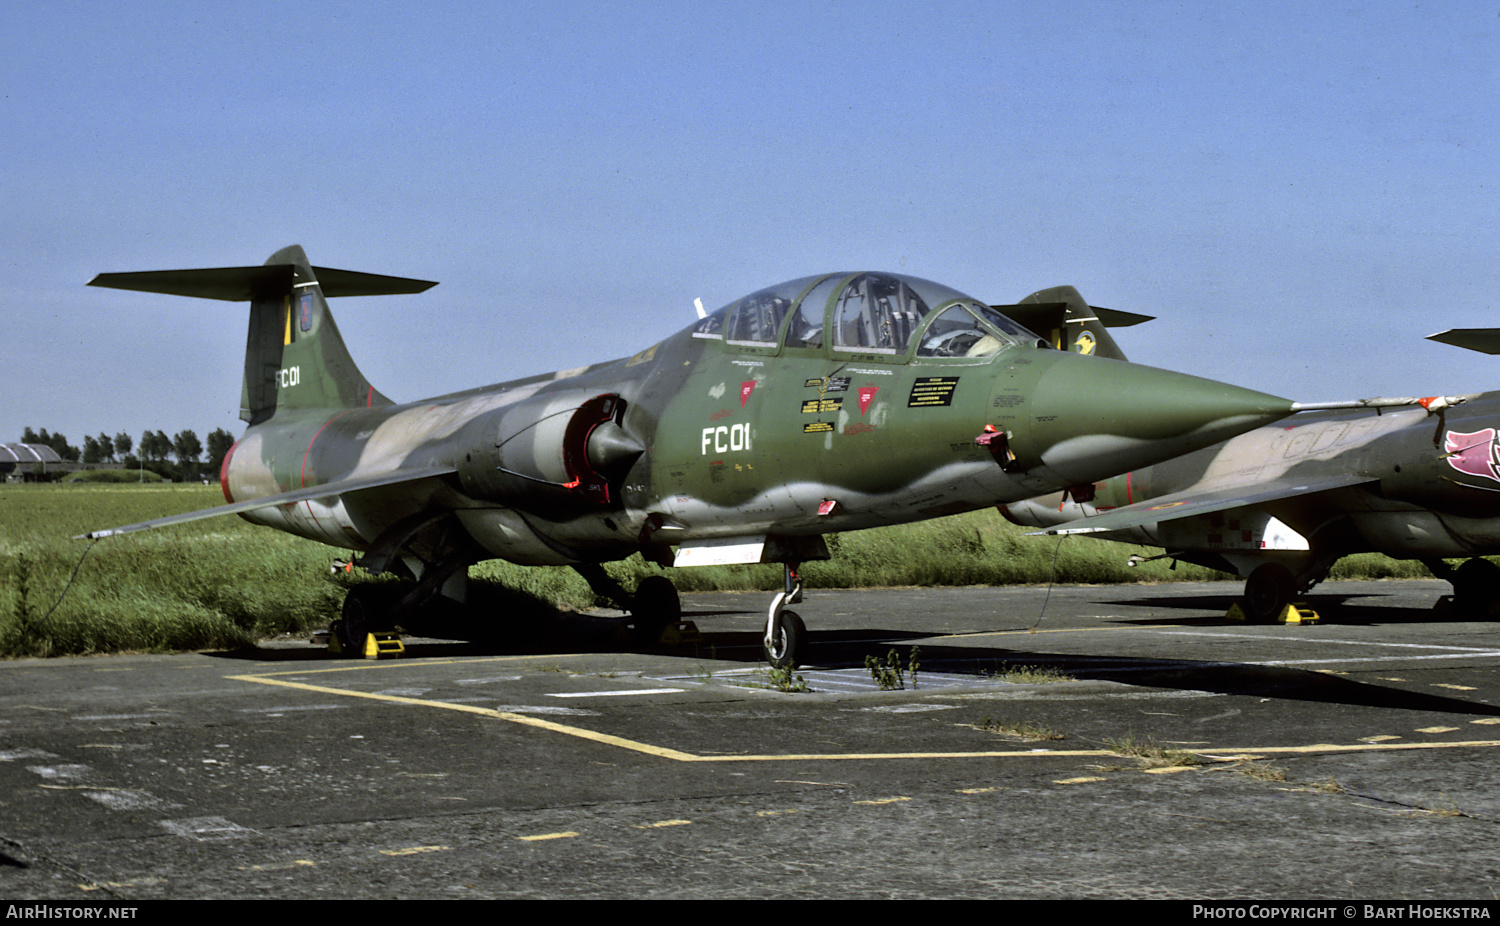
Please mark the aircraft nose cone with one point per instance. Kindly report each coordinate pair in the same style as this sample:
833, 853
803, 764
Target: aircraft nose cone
1094, 417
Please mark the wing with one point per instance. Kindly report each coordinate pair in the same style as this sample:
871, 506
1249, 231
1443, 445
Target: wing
1203, 501
282, 498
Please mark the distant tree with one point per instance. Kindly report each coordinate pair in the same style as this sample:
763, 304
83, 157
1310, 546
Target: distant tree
187, 446
219, 442
29, 436
188, 449
123, 445
106, 448
59, 442
154, 446
91, 450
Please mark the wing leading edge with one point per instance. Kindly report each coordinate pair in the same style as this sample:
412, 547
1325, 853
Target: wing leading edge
283, 498
1197, 501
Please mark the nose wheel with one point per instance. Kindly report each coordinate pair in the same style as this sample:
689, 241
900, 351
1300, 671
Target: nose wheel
785, 632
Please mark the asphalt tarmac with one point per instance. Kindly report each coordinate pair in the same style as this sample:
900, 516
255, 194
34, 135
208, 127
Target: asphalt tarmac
1104, 742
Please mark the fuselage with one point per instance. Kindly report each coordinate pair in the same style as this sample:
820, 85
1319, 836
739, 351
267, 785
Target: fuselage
829, 403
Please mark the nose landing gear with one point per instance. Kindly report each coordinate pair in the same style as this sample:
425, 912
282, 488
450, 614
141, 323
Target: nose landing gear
785, 632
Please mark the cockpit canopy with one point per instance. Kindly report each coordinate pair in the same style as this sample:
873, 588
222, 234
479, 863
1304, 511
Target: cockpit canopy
866, 313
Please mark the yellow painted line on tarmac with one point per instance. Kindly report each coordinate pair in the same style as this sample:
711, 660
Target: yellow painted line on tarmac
1319, 748
369, 665
839, 756
680, 756
522, 719
1027, 632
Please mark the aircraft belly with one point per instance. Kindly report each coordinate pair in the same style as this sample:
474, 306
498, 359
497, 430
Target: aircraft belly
1411, 534
1248, 529
1477, 534
792, 509
327, 521
505, 533
315, 519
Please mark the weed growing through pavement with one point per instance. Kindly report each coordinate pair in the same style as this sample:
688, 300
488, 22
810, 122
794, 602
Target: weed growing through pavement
1025, 730
1151, 754
1259, 771
1028, 675
782, 679
891, 674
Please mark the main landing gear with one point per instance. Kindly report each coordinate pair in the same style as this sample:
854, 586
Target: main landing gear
1476, 585
653, 607
366, 610
1269, 590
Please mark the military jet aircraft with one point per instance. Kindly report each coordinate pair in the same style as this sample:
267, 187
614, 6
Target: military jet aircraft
828, 403
1281, 504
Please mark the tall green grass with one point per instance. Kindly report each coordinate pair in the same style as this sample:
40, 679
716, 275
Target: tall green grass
211, 585
225, 583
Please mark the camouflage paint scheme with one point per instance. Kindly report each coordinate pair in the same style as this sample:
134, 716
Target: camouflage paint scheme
830, 403
1281, 504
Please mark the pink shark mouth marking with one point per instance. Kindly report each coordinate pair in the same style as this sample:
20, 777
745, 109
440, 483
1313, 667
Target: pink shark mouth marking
1473, 453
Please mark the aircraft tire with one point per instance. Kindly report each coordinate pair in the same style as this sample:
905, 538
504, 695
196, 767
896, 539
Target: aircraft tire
363, 613
787, 641
1476, 586
655, 605
1268, 590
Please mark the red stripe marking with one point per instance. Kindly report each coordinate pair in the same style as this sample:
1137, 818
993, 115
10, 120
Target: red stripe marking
224, 472
308, 452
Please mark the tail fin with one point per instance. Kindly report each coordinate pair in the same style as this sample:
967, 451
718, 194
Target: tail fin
1072, 324
294, 356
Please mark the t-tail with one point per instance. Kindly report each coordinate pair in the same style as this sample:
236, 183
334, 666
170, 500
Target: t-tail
1070, 323
294, 356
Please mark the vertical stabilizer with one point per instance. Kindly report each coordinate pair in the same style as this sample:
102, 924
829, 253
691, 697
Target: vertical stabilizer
1084, 328
294, 356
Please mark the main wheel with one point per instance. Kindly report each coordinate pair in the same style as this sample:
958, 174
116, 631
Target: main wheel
1268, 591
365, 611
1476, 584
786, 641
654, 606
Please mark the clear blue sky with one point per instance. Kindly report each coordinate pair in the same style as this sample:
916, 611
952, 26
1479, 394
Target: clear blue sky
1300, 191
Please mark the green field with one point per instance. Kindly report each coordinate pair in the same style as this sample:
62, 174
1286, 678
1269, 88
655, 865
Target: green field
224, 583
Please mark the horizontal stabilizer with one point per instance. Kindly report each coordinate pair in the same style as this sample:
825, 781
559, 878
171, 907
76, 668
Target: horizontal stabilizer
1484, 340
340, 487
243, 284
1048, 316
1114, 318
1196, 501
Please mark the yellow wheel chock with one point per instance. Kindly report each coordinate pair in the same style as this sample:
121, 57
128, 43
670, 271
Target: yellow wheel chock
1298, 613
